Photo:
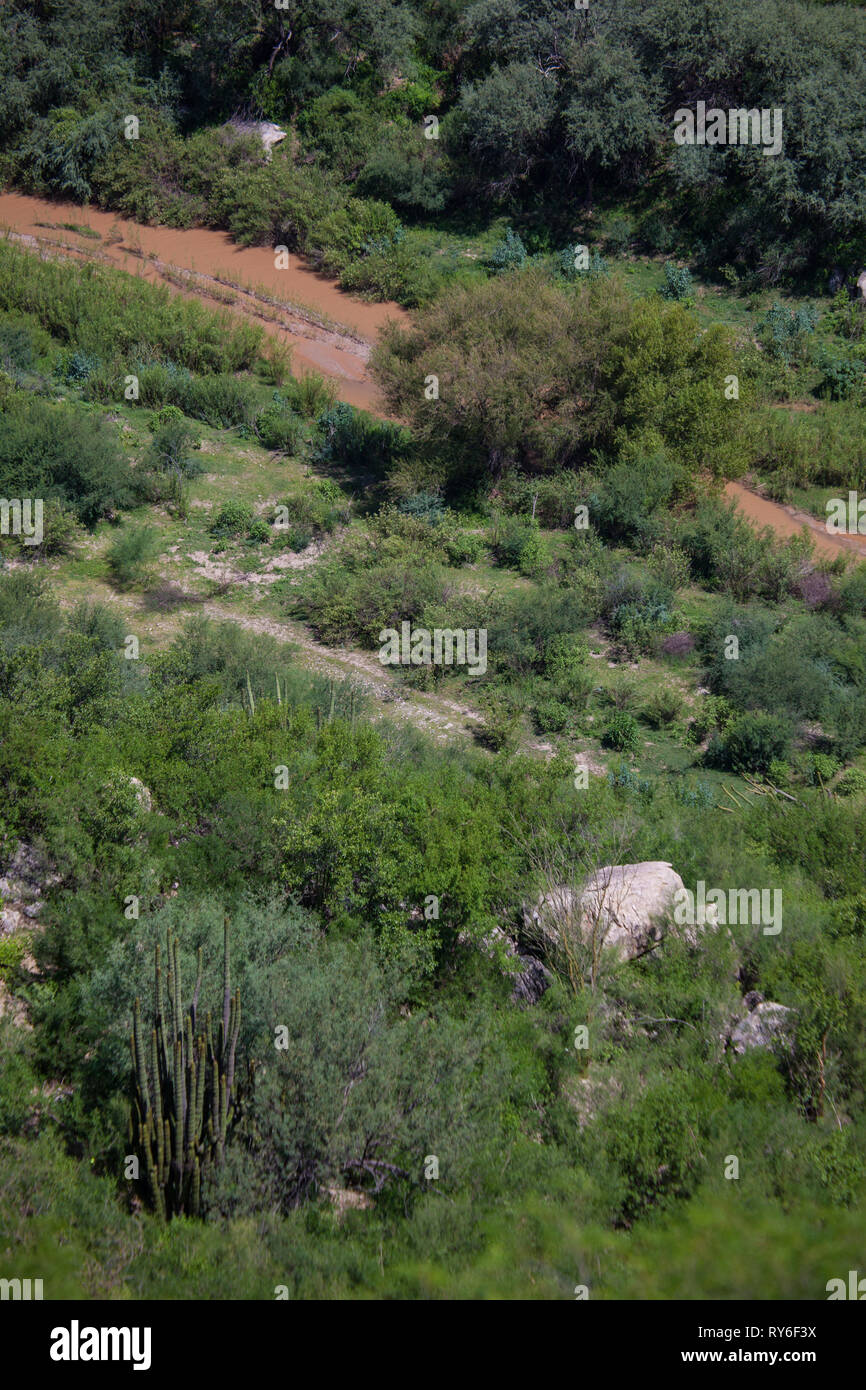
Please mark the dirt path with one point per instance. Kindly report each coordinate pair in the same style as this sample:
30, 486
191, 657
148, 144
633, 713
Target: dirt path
434, 714
788, 521
329, 331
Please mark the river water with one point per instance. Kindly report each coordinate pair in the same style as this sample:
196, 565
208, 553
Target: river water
337, 345
321, 347
787, 521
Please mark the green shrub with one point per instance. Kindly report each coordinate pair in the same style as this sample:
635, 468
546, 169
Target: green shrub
357, 594
172, 446
622, 691
554, 498
711, 712
219, 399
13, 949
853, 591
783, 331
339, 129
311, 395
750, 743
62, 454
566, 267
619, 235
166, 415
726, 553
74, 367
500, 730
657, 234
356, 441
663, 708
22, 342
516, 542
317, 511
551, 716
565, 657
843, 377
461, 548
281, 429
632, 495
779, 772
426, 505
621, 733
819, 768
677, 282
132, 553
232, 520
297, 538
852, 782
638, 611
509, 254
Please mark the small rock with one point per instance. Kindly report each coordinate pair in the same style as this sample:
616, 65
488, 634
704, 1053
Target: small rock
531, 982
142, 794
12, 921
766, 1025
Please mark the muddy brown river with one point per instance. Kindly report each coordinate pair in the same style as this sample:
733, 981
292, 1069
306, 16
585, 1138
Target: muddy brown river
788, 521
329, 331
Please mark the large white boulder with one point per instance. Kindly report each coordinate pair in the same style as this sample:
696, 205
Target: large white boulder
269, 133
622, 906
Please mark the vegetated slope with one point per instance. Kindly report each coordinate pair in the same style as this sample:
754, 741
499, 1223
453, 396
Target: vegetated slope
399, 116
458, 1103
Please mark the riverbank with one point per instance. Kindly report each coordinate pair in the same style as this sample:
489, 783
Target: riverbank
789, 521
329, 331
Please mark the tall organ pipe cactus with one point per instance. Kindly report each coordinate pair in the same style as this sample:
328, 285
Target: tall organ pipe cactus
184, 1086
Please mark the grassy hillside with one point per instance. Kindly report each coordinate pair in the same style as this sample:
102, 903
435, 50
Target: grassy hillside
293, 994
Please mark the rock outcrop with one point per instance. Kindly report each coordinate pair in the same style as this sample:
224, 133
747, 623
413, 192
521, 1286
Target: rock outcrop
765, 1024
142, 794
530, 979
268, 133
24, 878
624, 907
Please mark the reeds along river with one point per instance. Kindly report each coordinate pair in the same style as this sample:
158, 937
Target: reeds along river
329, 331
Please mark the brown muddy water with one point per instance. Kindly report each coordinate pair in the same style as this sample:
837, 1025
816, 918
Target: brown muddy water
329, 331
788, 521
